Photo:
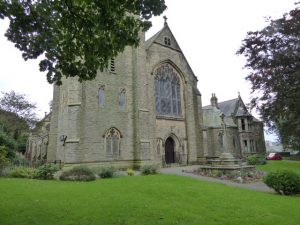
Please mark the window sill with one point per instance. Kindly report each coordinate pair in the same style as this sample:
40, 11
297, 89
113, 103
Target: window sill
162, 117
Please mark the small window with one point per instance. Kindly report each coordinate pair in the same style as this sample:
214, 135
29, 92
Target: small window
101, 96
122, 98
112, 65
221, 139
234, 144
246, 145
252, 146
243, 124
167, 41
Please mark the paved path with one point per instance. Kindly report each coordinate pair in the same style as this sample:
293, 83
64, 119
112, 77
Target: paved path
257, 186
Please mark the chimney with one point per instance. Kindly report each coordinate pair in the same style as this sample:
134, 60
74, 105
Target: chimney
214, 100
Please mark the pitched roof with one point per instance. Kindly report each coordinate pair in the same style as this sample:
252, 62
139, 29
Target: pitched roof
152, 39
156, 38
228, 107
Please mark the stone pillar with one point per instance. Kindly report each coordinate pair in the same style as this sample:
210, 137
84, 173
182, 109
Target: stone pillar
143, 144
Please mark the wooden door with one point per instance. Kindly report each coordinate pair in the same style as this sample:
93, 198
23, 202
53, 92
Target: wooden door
169, 151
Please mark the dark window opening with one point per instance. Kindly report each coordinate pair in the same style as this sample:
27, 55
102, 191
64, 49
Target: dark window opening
243, 124
167, 41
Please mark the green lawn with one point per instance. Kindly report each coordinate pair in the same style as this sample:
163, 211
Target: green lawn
273, 165
153, 200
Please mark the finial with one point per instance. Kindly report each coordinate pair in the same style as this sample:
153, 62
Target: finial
239, 94
165, 18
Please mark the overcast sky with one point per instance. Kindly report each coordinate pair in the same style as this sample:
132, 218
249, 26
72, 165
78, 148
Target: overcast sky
208, 32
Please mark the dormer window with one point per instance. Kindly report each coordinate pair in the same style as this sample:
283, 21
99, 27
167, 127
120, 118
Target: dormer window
167, 41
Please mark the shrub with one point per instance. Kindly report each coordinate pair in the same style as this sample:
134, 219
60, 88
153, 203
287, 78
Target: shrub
9, 143
148, 170
130, 172
78, 173
22, 172
46, 172
256, 160
216, 173
283, 182
3, 157
106, 172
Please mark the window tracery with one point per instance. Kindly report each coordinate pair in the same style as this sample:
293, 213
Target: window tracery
167, 91
112, 142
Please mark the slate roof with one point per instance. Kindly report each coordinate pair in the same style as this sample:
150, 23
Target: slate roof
152, 39
228, 107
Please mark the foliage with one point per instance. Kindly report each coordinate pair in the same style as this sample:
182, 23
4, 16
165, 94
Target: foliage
20, 107
273, 57
283, 182
79, 37
46, 171
22, 142
9, 143
3, 157
78, 173
106, 172
130, 172
22, 172
256, 160
148, 170
141, 200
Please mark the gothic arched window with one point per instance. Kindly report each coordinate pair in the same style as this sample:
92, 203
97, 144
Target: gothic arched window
101, 96
167, 91
122, 98
112, 142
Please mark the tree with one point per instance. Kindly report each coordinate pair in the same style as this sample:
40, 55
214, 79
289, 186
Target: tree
273, 57
9, 144
76, 37
3, 157
16, 107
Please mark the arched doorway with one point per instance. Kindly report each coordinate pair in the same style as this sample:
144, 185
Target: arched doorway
169, 151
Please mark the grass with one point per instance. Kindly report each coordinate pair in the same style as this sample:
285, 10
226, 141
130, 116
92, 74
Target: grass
273, 165
142, 200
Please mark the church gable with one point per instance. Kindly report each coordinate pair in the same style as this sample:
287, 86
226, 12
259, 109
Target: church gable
165, 38
164, 45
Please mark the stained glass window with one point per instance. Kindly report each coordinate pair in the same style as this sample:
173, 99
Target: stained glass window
167, 91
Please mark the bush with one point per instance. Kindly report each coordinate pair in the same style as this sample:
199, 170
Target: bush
3, 157
106, 172
148, 170
9, 143
256, 160
283, 182
130, 172
78, 173
46, 172
22, 172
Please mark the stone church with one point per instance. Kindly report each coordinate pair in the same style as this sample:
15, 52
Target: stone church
145, 109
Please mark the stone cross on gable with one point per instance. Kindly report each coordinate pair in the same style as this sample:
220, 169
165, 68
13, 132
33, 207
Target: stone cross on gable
165, 18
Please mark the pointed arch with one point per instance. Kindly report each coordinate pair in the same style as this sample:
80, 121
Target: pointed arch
112, 142
168, 91
170, 62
